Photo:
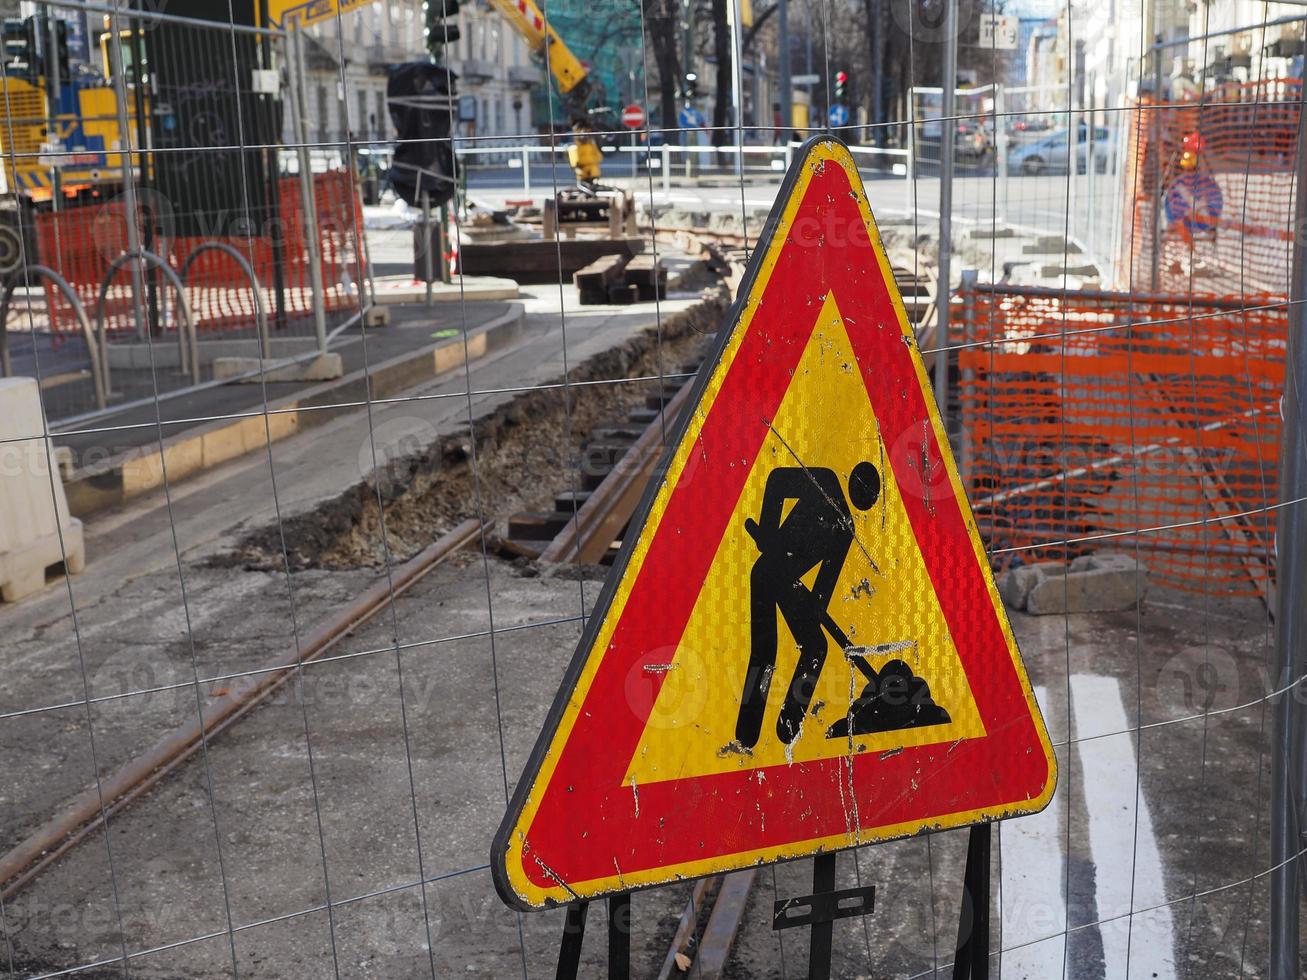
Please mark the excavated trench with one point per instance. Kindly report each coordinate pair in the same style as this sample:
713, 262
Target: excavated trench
525, 452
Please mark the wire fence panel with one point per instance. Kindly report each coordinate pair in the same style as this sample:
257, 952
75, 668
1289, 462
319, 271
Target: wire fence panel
322, 535
1213, 183
1093, 415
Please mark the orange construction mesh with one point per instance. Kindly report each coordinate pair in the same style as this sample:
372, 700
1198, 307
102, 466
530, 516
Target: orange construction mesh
1219, 171
80, 243
1092, 413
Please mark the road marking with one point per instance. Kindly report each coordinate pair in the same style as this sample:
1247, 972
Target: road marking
1034, 889
1108, 768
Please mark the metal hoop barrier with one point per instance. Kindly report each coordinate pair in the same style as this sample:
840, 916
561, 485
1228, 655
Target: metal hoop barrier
98, 367
188, 321
260, 317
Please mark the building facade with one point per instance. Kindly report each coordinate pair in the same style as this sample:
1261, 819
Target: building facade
346, 63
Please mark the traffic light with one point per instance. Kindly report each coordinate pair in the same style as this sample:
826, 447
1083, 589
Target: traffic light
841, 87
421, 98
691, 85
437, 15
61, 47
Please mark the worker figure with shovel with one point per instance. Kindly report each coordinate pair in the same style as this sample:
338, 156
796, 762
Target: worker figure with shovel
817, 533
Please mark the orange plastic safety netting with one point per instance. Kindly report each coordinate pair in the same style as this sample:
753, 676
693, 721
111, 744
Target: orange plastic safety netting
80, 243
1089, 415
1209, 190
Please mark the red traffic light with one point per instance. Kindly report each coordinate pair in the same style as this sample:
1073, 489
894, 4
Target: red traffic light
841, 77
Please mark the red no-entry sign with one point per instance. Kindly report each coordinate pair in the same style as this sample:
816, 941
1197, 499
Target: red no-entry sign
633, 116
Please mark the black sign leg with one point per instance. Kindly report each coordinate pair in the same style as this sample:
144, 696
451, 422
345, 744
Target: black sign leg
820, 910
569, 953
819, 953
972, 960
619, 937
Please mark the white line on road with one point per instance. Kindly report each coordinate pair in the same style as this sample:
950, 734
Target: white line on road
1034, 892
1124, 849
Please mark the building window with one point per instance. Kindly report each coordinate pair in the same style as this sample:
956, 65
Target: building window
383, 117
364, 129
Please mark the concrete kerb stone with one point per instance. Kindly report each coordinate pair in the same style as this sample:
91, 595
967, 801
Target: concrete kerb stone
193, 451
1107, 581
405, 289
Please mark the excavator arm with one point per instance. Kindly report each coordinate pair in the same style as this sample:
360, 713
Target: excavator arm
576, 88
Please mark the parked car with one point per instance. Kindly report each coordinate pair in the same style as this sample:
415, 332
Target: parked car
1050, 154
972, 140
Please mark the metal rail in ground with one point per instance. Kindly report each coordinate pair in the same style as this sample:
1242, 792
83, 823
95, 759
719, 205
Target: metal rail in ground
88, 811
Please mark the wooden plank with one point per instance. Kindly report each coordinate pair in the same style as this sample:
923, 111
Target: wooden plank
600, 274
536, 525
607, 510
542, 260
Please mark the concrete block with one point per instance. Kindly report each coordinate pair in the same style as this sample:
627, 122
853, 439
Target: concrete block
36, 529
1057, 271
1051, 244
324, 367
1015, 586
146, 471
404, 289
1106, 582
135, 355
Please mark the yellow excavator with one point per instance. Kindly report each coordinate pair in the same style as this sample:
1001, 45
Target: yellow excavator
61, 127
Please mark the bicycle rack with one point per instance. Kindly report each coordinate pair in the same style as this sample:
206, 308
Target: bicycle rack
260, 317
188, 321
99, 364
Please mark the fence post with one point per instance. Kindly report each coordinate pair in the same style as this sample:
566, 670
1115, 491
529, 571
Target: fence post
129, 179
967, 291
1287, 791
526, 171
947, 135
312, 244
1000, 149
1155, 144
1091, 166
667, 166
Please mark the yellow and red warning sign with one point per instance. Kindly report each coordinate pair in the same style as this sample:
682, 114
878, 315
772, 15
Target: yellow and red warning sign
802, 649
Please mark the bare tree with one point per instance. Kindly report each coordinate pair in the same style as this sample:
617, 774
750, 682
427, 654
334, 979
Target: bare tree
722, 51
660, 32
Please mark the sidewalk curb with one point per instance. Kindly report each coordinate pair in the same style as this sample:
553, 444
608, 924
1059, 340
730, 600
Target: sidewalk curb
140, 470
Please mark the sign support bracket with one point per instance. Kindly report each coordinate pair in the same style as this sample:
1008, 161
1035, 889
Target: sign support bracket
972, 959
820, 910
619, 939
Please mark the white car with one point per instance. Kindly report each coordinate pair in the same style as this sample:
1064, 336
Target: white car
1050, 154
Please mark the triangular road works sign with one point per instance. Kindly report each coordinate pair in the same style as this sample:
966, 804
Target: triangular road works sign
801, 647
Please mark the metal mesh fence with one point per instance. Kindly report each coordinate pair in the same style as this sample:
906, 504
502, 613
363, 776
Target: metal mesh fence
1213, 188
1092, 415
264, 706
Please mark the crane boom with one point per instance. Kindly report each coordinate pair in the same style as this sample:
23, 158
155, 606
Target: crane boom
576, 87
544, 42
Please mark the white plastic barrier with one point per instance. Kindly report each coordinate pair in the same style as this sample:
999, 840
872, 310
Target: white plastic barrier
36, 530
